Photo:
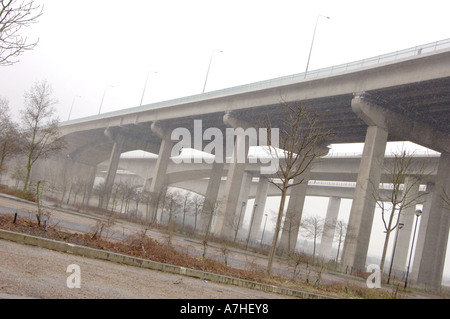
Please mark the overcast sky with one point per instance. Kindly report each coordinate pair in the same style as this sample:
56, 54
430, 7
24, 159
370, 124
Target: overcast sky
84, 46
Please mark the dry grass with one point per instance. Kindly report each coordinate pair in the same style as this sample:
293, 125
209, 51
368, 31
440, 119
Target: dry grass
18, 193
144, 247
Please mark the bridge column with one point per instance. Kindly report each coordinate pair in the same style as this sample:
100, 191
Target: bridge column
294, 213
356, 243
404, 235
422, 231
326, 242
229, 203
435, 244
159, 181
260, 201
112, 166
242, 202
210, 202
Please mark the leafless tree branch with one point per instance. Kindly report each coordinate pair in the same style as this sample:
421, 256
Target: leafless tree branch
15, 15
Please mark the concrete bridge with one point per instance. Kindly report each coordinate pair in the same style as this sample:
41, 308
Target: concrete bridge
401, 96
333, 177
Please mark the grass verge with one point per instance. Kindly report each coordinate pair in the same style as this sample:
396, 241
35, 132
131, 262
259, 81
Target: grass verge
143, 246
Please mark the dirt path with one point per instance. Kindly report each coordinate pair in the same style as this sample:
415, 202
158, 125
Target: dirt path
40, 273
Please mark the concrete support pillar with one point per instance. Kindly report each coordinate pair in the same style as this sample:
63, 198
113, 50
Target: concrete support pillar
362, 211
435, 244
260, 202
294, 213
211, 200
422, 232
112, 167
404, 235
242, 202
360, 222
326, 242
229, 203
159, 185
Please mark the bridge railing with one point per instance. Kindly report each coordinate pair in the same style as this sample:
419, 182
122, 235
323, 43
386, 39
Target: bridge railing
384, 58
389, 57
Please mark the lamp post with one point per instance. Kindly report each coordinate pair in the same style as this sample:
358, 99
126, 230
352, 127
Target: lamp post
418, 213
400, 226
103, 98
145, 86
209, 67
73, 102
312, 42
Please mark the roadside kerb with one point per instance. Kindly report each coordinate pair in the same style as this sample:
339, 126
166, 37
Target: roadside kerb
149, 264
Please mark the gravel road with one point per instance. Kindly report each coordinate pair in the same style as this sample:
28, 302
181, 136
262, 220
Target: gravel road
34, 272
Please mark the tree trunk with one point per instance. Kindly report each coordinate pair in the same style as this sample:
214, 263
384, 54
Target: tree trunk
277, 230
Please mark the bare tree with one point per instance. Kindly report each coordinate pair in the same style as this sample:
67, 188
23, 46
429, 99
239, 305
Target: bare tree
312, 228
197, 203
9, 134
15, 15
40, 127
402, 195
146, 198
172, 203
209, 210
236, 223
300, 138
187, 202
296, 259
341, 231
290, 227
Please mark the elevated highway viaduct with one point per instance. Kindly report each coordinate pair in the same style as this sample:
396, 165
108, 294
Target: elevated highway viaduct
333, 177
400, 96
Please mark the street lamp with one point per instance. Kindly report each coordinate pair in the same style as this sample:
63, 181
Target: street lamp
73, 102
417, 213
400, 226
312, 42
209, 67
145, 86
103, 98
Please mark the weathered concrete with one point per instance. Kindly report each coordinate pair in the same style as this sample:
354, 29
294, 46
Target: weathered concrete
112, 166
291, 225
260, 200
229, 203
211, 195
356, 243
422, 232
435, 244
407, 218
326, 241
